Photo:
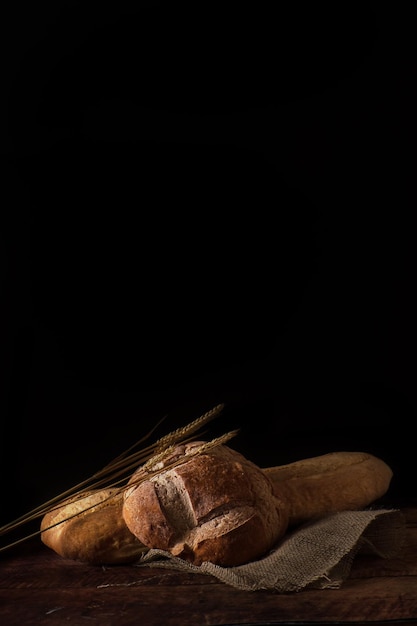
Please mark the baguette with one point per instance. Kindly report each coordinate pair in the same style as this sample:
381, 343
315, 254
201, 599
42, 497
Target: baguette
216, 506
91, 529
321, 485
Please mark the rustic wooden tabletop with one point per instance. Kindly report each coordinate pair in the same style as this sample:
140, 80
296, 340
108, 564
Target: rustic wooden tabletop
39, 587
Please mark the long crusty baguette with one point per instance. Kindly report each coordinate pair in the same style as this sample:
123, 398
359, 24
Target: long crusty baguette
332, 482
219, 507
91, 529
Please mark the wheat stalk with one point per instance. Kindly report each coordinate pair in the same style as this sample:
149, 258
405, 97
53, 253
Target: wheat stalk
119, 470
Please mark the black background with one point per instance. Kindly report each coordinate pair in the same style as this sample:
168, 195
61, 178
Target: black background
206, 205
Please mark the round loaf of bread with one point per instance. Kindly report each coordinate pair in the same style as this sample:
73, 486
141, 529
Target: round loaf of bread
91, 529
214, 506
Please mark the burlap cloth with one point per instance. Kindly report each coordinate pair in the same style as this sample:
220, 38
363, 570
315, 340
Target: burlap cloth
318, 554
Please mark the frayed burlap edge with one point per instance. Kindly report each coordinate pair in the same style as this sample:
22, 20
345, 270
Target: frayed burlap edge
316, 555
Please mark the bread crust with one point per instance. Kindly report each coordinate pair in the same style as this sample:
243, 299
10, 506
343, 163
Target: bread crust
216, 506
97, 534
329, 483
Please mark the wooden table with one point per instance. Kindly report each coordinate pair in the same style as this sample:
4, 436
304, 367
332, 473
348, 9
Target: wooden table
39, 587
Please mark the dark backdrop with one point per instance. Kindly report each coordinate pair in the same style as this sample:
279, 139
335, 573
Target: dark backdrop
206, 206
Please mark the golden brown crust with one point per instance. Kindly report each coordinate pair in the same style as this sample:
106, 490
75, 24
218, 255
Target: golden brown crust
329, 483
96, 535
216, 506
